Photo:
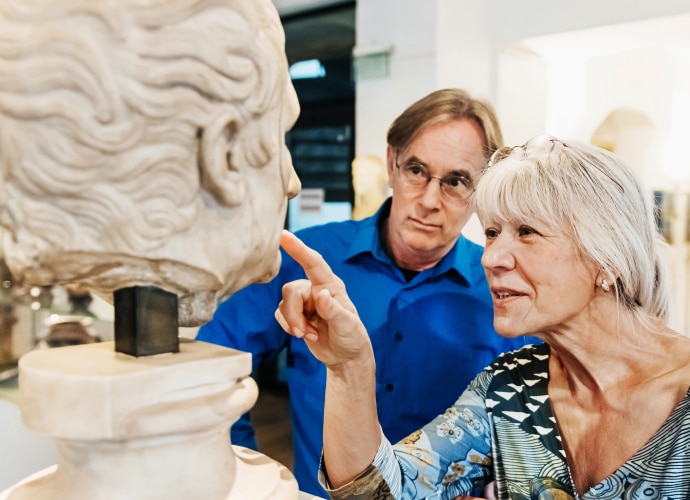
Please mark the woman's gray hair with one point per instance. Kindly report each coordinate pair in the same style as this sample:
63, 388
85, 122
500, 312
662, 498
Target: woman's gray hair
597, 200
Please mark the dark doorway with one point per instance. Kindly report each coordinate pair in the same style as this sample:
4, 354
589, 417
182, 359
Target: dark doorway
322, 140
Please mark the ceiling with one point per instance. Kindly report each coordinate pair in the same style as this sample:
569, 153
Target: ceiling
668, 32
325, 29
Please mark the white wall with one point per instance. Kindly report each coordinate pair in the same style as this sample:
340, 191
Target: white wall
434, 44
437, 43
410, 34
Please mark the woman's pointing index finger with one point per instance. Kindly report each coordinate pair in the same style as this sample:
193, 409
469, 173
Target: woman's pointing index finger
315, 267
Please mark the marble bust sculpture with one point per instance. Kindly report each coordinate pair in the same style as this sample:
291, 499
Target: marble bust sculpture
142, 144
370, 183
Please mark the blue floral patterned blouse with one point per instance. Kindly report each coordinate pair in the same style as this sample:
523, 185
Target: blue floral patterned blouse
503, 428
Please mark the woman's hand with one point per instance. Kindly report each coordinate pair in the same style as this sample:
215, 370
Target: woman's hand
319, 310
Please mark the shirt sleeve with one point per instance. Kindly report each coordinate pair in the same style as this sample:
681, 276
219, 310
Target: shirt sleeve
370, 483
449, 456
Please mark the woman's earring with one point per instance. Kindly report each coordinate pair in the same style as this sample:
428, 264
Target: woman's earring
605, 285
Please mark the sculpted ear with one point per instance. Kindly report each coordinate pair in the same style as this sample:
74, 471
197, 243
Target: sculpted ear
219, 175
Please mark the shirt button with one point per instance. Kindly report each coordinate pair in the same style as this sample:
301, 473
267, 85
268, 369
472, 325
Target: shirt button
398, 336
389, 387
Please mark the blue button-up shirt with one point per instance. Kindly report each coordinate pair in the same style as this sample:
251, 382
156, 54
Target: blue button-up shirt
431, 335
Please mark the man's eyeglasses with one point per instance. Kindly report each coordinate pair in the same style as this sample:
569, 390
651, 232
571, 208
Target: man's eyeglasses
454, 187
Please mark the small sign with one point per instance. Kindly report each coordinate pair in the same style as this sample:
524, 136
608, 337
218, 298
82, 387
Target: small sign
311, 201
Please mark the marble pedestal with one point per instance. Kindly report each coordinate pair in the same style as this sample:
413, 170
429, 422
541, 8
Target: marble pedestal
152, 427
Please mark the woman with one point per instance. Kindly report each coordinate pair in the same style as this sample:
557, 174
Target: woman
600, 410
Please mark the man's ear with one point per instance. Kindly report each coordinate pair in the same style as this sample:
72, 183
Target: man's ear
390, 162
218, 174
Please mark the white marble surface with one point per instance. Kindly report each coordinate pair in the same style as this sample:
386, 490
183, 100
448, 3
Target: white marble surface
26, 455
62, 388
308, 496
5, 495
162, 157
123, 426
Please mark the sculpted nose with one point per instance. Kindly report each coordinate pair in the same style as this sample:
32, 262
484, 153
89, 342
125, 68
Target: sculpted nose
294, 184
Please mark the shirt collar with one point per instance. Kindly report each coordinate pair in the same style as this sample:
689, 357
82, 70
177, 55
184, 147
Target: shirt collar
367, 240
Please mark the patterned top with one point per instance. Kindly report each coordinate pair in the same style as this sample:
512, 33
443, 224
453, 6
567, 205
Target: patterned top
503, 428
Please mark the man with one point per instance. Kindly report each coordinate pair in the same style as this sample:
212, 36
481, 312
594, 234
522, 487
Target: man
417, 283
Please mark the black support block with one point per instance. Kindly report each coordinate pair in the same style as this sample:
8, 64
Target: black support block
145, 321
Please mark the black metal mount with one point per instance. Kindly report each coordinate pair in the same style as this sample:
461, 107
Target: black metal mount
145, 321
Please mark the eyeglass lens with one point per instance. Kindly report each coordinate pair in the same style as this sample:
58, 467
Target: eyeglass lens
454, 186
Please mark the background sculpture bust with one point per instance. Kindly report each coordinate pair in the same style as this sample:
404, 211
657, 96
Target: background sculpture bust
142, 143
370, 183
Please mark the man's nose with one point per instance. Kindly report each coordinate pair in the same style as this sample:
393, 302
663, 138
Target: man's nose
432, 191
